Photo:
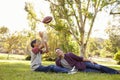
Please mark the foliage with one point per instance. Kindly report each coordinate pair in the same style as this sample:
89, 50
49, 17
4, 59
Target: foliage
12, 57
28, 57
95, 45
115, 11
117, 56
14, 43
3, 30
105, 53
58, 39
114, 38
32, 21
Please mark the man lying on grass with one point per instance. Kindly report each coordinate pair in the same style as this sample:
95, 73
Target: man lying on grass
70, 60
36, 53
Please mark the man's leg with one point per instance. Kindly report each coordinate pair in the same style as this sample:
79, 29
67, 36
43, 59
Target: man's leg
109, 70
90, 70
101, 68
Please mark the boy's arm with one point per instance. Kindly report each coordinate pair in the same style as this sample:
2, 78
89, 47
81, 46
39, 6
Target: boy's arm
44, 43
46, 47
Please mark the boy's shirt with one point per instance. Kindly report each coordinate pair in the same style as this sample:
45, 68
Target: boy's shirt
36, 58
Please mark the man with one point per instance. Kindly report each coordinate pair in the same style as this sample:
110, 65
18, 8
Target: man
70, 60
36, 53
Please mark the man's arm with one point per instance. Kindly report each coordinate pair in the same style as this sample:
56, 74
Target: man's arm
76, 57
87, 60
58, 63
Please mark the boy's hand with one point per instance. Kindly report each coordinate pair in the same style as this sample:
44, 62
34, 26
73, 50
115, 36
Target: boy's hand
41, 34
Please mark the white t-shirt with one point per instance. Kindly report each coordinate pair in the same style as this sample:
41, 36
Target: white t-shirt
65, 64
35, 60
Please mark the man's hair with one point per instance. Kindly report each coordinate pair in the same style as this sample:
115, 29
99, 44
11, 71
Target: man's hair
56, 49
32, 43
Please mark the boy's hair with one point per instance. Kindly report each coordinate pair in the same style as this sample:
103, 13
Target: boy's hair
32, 43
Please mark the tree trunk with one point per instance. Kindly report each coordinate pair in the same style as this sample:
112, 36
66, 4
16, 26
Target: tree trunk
8, 56
83, 50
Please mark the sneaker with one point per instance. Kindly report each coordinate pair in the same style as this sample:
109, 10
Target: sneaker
73, 71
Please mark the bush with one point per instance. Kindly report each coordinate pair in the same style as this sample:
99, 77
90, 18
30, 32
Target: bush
117, 57
51, 57
28, 57
96, 53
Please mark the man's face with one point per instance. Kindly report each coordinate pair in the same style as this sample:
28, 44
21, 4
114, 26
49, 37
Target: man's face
59, 52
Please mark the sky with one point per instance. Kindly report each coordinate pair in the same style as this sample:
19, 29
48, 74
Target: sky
13, 16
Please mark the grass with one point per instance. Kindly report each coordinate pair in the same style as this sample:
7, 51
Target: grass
12, 57
20, 70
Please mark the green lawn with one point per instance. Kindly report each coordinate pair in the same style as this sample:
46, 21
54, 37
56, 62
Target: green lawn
20, 70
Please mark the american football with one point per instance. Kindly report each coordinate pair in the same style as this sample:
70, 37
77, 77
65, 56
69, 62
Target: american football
47, 19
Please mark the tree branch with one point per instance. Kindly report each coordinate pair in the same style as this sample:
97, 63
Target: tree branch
85, 13
91, 26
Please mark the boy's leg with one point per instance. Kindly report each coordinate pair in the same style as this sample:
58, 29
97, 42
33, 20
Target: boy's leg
52, 68
58, 69
43, 69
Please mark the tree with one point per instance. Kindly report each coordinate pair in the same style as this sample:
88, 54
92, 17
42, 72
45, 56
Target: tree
114, 38
113, 29
11, 43
3, 30
115, 9
76, 14
117, 56
32, 18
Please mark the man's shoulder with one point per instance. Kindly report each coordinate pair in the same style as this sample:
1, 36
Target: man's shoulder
68, 53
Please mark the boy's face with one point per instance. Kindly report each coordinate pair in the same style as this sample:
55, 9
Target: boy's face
37, 44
